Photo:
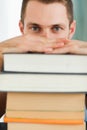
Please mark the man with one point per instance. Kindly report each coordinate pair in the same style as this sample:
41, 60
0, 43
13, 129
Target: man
47, 27
46, 21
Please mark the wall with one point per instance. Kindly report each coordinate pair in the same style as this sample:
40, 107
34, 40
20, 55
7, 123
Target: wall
9, 18
80, 13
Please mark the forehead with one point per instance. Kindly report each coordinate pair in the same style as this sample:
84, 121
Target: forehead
41, 13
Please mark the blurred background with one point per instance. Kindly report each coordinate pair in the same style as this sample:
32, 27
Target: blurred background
80, 14
10, 16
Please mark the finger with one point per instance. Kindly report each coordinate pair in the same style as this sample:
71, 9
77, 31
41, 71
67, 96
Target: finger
64, 40
45, 40
63, 50
54, 45
79, 43
60, 43
81, 51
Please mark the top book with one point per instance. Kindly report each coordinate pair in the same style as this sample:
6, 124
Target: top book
45, 63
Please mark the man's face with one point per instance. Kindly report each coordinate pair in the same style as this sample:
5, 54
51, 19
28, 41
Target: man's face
47, 20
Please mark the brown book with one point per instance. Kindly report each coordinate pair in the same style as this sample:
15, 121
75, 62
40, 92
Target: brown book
29, 126
46, 115
45, 101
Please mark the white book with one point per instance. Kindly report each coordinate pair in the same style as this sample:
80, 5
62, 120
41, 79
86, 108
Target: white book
43, 82
45, 63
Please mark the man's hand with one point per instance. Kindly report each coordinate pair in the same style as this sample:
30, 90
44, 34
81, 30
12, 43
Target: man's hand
28, 43
72, 47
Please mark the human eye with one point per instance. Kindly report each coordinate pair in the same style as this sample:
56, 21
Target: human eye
56, 28
35, 28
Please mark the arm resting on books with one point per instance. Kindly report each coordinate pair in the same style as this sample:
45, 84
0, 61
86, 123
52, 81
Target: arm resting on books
72, 47
29, 43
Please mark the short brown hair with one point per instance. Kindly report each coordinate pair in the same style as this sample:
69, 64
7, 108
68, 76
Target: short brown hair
67, 3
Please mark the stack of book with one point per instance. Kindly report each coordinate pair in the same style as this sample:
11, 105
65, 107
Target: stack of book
45, 110
44, 91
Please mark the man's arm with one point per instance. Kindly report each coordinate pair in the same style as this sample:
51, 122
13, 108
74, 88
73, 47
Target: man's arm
72, 47
26, 43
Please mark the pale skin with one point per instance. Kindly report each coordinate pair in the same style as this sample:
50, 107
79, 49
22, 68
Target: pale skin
46, 29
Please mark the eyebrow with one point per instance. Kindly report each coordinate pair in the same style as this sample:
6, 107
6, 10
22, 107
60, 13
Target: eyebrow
29, 24
60, 24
